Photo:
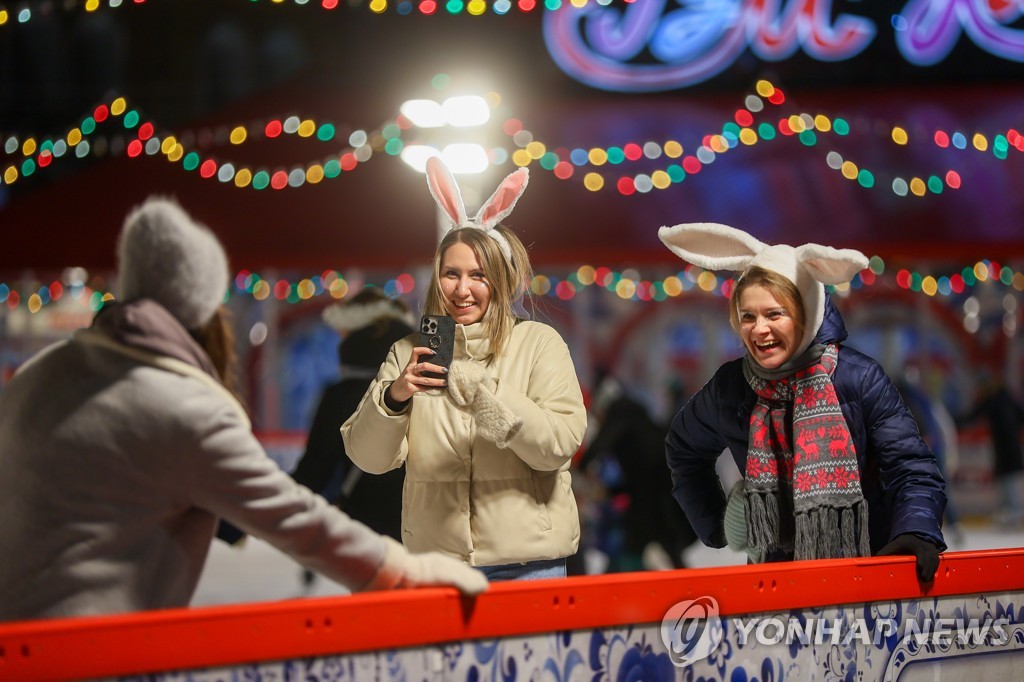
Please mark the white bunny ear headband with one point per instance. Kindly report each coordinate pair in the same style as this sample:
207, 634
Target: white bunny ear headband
348, 317
809, 267
446, 193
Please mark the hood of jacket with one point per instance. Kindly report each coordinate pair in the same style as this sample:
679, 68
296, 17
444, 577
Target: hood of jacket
833, 329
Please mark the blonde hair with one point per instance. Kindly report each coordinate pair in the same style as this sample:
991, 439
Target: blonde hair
508, 281
780, 286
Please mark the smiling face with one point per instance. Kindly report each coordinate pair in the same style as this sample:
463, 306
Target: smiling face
767, 327
464, 286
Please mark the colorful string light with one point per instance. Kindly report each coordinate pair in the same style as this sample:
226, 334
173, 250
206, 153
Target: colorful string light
626, 284
24, 14
596, 165
146, 141
743, 131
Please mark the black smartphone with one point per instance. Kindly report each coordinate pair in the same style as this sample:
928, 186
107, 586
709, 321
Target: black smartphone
437, 332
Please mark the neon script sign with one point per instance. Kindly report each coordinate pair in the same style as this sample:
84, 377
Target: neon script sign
641, 47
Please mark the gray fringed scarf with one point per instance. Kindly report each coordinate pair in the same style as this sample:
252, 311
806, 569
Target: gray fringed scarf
802, 482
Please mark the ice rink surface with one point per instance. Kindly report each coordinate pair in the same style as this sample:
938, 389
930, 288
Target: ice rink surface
254, 571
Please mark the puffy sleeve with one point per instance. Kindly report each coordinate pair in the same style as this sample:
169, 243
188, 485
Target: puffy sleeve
375, 436
692, 447
554, 417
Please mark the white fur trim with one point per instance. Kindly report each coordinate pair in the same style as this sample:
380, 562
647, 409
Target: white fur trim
493, 234
719, 247
166, 256
348, 317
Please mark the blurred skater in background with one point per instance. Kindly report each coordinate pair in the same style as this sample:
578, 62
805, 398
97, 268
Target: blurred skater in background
939, 431
627, 435
1004, 417
368, 323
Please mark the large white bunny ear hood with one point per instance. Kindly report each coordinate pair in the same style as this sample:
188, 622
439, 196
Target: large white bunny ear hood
446, 194
719, 247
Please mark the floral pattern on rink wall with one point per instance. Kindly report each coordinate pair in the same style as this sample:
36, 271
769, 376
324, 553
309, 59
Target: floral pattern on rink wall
637, 652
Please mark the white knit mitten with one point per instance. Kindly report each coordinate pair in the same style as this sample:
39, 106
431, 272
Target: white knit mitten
430, 569
464, 380
494, 420
470, 387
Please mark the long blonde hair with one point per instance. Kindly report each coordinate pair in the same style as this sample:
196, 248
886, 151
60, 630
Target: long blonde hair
508, 281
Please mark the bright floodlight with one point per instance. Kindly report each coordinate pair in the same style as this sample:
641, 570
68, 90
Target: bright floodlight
461, 159
469, 110
424, 113
465, 158
416, 155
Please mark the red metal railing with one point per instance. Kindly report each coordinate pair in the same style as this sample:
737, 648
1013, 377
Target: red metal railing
182, 639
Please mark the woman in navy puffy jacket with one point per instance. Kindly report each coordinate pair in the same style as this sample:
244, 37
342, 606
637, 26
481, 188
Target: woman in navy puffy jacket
833, 463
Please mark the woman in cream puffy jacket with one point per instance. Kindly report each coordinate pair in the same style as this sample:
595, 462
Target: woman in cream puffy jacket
486, 449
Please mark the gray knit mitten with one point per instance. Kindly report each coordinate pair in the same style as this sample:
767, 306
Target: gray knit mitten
471, 388
735, 523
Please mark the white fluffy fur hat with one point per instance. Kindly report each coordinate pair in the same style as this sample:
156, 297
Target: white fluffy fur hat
166, 256
719, 247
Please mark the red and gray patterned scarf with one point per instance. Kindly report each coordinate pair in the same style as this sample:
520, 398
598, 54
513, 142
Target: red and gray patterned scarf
802, 483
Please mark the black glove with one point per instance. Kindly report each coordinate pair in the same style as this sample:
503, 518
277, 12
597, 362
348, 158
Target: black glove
926, 553
229, 533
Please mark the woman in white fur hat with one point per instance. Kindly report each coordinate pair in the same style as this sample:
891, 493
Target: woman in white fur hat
833, 464
121, 447
487, 458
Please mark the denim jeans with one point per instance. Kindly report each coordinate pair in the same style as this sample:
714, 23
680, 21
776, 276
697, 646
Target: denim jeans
531, 570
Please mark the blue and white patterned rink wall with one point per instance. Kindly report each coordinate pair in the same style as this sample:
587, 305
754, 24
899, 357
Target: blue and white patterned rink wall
857, 620
877, 641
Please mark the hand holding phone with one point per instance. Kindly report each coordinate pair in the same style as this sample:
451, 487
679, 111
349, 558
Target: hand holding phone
435, 350
437, 332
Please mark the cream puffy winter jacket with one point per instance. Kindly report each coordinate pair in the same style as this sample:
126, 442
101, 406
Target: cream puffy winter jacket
464, 496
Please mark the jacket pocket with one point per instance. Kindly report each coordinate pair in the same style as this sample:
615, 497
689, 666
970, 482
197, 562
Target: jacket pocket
543, 487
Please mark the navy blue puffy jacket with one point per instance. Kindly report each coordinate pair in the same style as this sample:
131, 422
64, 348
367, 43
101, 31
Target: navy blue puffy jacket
901, 482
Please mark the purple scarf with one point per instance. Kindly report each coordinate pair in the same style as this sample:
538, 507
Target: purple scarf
146, 325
